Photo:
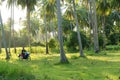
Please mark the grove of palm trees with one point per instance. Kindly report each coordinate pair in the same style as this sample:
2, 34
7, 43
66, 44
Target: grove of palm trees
64, 39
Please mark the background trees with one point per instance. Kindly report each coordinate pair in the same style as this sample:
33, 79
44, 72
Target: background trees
98, 22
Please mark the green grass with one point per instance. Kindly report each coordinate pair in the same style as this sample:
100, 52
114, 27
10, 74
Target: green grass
102, 66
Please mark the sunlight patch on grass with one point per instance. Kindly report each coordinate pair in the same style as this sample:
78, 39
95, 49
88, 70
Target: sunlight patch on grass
99, 58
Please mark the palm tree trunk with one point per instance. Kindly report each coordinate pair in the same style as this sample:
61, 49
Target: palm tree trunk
11, 23
63, 58
13, 29
4, 40
28, 26
0, 41
95, 30
90, 22
104, 36
78, 32
45, 30
46, 34
71, 25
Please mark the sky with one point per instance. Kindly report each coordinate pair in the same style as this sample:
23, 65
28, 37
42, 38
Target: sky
18, 14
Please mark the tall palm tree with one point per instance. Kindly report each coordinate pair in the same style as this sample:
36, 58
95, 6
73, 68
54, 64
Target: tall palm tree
93, 22
4, 40
78, 32
44, 13
63, 58
29, 4
104, 10
69, 12
0, 41
48, 14
11, 4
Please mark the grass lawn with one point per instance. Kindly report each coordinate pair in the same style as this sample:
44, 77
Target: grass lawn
45, 67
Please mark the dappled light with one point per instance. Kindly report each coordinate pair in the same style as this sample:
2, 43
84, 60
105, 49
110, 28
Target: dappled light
59, 39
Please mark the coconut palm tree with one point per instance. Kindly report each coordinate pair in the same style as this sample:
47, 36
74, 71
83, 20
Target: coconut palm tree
104, 10
0, 42
44, 13
78, 32
63, 58
69, 12
4, 40
48, 15
29, 4
93, 22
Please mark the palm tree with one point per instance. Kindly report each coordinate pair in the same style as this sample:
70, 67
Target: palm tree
29, 4
69, 12
78, 32
0, 42
44, 13
4, 40
48, 14
93, 22
63, 58
103, 9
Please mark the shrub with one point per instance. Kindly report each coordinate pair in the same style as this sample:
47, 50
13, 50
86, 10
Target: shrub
72, 41
52, 43
114, 39
37, 44
100, 40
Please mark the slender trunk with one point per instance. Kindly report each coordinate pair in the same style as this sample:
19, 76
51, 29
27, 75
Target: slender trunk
0, 41
53, 29
4, 40
46, 36
95, 30
28, 26
13, 29
10, 28
90, 22
63, 58
78, 30
104, 36
71, 25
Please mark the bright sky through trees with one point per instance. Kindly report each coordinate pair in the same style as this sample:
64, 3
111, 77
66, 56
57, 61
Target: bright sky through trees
19, 14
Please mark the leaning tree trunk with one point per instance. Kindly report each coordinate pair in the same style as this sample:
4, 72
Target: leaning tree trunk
78, 30
4, 40
63, 58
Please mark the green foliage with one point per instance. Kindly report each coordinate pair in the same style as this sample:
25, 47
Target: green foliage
38, 44
100, 41
102, 66
74, 57
72, 41
113, 47
37, 49
10, 71
52, 43
114, 39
